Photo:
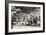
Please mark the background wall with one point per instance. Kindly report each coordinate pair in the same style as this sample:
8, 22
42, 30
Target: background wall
2, 17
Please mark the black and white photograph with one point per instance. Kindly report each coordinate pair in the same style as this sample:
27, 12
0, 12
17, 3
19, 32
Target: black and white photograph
25, 17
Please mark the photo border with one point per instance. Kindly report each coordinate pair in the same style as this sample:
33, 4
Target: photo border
6, 16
